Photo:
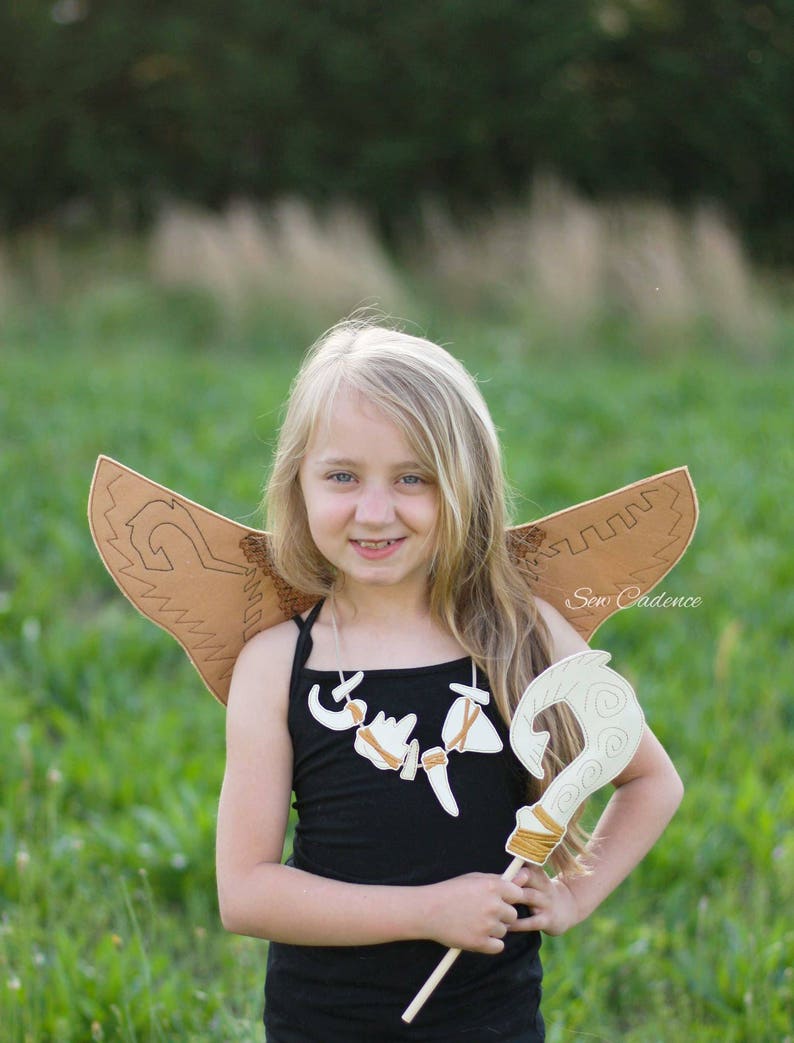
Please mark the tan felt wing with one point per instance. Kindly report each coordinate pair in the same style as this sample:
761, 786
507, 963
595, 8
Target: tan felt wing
210, 582
614, 548
203, 578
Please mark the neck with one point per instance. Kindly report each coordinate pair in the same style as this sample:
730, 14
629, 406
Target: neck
377, 606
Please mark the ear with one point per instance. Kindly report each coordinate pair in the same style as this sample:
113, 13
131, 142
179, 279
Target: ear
593, 559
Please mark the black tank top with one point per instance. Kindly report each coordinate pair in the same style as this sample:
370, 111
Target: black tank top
360, 824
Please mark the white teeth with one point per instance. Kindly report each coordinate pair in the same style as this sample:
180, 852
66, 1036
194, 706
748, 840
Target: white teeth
375, 544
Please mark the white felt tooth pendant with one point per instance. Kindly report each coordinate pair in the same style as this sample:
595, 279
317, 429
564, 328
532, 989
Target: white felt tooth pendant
466, 728
479, 695
435, 761
385, 740
350, 716
411, 765
343, 690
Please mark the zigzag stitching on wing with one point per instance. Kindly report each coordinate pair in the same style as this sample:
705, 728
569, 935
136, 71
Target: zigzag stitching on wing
191, 626
114, 539
164, 608
553, 549
253, 589
659, 554
618, 525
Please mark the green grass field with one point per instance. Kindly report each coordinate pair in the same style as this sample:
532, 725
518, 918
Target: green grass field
111, 750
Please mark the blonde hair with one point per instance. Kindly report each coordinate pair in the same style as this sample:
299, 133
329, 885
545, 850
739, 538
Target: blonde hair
476, 591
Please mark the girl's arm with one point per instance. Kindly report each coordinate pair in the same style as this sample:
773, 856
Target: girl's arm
646, 796
261, 897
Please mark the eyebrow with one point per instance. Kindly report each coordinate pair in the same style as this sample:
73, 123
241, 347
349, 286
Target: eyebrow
346, 461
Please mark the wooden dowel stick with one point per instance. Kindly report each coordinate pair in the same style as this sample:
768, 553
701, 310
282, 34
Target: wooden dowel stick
446, 962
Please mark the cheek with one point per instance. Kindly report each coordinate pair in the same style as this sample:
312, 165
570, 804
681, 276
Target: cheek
433, 507
439, 530
430, 519
325, 512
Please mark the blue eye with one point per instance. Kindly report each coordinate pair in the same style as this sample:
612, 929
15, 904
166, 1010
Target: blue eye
412, 479
342, 477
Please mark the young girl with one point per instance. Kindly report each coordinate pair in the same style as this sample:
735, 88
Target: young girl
387, 502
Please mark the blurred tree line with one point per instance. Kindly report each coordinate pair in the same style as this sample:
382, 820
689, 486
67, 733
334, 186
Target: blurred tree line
114, 105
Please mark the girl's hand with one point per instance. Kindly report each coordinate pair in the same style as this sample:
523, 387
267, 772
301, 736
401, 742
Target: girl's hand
471, 912
552, 905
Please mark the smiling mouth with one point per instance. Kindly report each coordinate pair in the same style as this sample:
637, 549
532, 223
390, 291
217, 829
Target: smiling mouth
374, 544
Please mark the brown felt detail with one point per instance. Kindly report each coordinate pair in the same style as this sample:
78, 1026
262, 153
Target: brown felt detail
369, 738
434, 760
536, 847
210, 582
256, 548
356, 712
460, 739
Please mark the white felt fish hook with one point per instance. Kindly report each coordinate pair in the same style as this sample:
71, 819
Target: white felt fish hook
612, 723
352, 713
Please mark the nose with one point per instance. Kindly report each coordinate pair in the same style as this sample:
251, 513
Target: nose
374, 506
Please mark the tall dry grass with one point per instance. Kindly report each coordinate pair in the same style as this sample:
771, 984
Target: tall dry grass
286, 252
556, 259
571, 259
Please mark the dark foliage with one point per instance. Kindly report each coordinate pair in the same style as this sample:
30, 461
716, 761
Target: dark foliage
114, 106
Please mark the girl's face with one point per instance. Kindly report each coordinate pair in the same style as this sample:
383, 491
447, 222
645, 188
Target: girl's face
372, 507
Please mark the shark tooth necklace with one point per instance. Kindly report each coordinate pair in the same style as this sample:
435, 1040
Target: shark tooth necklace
386, 742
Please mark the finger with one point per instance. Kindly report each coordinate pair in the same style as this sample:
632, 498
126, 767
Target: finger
493, 947
508, 914
533, 897
536, 921
538, 878
513, 893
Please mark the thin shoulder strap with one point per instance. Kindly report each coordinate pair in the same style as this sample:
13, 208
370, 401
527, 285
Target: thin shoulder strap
303, 645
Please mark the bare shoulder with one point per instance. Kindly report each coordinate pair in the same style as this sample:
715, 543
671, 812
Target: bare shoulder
260, 680
565, 640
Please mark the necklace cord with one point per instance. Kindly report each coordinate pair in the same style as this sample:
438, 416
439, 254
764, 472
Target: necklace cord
336, 642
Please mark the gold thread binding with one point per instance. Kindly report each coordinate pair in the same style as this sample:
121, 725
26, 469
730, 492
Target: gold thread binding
533, 846
369, 738
545, 819
460, 739
434, 760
